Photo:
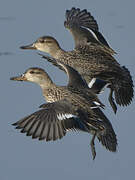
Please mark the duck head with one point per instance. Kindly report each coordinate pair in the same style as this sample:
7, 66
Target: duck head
45, 44
36, 75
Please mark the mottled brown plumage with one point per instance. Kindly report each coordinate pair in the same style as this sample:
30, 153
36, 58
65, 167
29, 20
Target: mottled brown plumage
92, 62
92, 56
68, 108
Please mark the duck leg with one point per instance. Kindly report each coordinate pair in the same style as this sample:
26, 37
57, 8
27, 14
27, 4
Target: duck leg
111, 100
92, 144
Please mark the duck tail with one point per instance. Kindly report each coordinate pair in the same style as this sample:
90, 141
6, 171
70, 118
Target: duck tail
123, 88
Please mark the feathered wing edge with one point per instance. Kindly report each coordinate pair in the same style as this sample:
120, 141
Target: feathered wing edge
107, 138
35, 125
123, 88
78, 17
51, 122
84, 27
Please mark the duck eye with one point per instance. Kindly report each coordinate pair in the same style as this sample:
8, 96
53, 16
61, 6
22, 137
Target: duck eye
32, 72
48, 41
41, 41
38, 72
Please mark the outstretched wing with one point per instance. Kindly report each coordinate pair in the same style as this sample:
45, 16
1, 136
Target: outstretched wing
84, 28
80, 18
51, 122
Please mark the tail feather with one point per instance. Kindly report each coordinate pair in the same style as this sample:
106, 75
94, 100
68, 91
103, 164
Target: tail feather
123, 88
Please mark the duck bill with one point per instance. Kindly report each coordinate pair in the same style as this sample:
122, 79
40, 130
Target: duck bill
19, 78
30, 46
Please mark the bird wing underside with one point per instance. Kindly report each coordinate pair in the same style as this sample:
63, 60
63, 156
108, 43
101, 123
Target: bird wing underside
51, 122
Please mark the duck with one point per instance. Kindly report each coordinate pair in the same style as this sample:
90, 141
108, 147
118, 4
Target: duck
67, 108
92, 57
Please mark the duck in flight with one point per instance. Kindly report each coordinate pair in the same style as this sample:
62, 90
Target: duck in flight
91, 57
67, 108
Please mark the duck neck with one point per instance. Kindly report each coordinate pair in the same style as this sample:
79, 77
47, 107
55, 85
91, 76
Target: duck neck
55, 53
46, 83
49, 92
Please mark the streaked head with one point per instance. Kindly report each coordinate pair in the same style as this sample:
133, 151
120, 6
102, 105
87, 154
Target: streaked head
46, 44
36, 75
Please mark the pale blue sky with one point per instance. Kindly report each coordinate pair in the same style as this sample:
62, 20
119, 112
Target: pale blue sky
21, 22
